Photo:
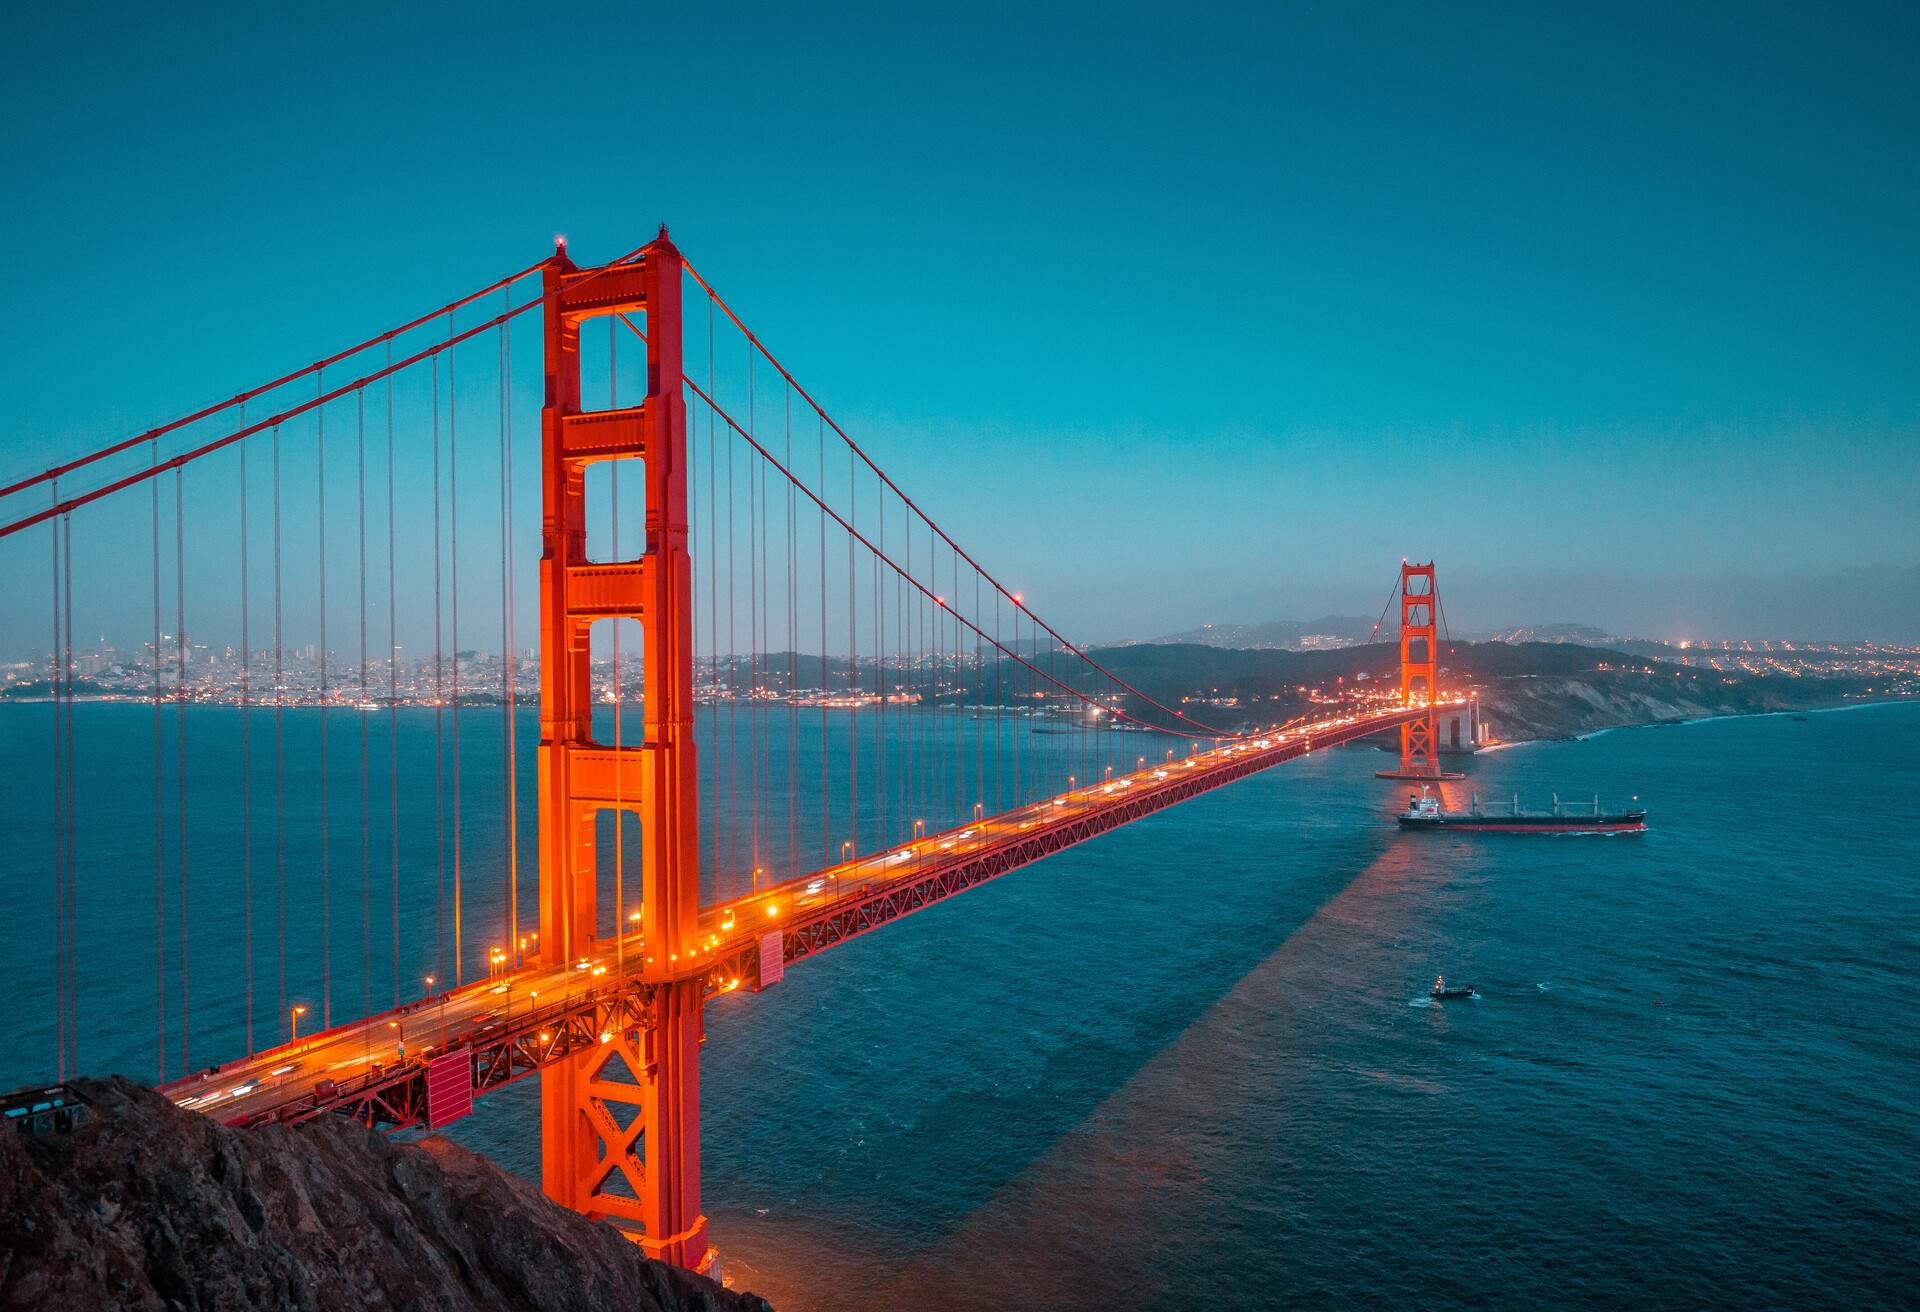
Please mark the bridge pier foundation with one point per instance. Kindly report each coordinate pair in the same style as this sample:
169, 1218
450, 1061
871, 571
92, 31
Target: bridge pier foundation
620, 1127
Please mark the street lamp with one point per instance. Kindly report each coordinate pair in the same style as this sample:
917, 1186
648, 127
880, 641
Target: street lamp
846, 849
919, 828
979, 809
293, 1022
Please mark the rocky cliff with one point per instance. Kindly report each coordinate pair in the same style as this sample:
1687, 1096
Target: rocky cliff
1521, 707
148, 1206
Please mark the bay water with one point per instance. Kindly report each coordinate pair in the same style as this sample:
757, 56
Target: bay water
1192, 1063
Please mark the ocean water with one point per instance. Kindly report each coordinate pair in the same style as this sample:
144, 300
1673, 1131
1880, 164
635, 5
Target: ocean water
1191, 1063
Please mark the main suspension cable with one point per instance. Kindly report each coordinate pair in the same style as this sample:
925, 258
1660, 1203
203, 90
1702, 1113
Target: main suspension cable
940, 604
154, 434
915, 507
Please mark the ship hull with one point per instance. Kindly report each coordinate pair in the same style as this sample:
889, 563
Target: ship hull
1631, 822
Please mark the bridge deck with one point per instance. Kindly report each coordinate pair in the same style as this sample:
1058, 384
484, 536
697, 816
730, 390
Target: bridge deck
518, 1021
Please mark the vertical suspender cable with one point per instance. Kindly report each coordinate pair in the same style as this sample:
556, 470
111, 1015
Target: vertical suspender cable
180, 732
753, 644
826, 808
853, 675
793, 659
72, 888
439, 721
366, 797
880, 669
511, 910
733, 690
54, 683
246, 745
902, 783
763, 522
326, 872
453, 571
910, 625
763, 519
979, 729
713, 589
159, 804
279, 741
942, 767
713, 605
962, 687
393, 699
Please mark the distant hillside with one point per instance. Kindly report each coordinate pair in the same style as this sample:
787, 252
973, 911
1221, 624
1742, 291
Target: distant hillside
1329, 631
1583, 634
1527, 689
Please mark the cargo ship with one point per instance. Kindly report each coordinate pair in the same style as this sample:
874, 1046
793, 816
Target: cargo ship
1423, 812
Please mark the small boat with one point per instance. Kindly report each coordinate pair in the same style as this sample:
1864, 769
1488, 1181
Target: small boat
1423, 812
1440, 992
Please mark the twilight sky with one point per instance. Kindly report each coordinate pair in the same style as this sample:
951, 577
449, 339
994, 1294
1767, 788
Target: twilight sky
1177, 315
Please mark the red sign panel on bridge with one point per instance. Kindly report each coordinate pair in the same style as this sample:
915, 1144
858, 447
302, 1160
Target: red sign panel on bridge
449, 1087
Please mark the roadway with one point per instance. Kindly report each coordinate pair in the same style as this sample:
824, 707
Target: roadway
730, 931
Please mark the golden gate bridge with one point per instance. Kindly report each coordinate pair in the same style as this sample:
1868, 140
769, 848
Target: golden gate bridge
779, 708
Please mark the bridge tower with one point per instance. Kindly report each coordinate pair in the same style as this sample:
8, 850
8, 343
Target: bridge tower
1419, 674
620, 1121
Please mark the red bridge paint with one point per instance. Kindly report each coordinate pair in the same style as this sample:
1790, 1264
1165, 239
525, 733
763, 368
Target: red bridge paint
449, 1088
613, 1026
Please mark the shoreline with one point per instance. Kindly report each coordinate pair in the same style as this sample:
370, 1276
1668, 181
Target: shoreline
1702, 719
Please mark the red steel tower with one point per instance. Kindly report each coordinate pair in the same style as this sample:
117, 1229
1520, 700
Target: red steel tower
1419, 674
620, 1122
1419, 667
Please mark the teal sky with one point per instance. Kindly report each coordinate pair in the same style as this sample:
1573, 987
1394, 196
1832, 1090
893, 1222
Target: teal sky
1181, 315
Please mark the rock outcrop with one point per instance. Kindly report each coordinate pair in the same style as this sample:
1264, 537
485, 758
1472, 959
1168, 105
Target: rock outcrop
151, 1207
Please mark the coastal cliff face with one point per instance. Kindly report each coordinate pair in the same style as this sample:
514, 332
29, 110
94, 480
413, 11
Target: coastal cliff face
151, 1207
1517, 708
